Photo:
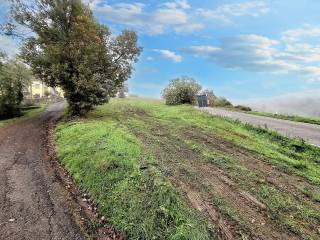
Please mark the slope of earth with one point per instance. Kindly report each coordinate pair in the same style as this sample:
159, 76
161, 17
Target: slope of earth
32, 202
160, 172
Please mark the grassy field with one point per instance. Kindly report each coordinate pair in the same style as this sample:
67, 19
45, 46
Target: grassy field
160, 172
26, 113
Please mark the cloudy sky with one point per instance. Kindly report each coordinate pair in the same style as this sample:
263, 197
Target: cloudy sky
243, 49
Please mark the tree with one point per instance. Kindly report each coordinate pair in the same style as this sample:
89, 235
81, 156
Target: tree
72, 50
181, 91
123, 90
14, 76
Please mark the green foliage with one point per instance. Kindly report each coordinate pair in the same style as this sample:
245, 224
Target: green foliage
243, 108
13, 77
72, 50
109, 162
221, 102
123, 90
181, 91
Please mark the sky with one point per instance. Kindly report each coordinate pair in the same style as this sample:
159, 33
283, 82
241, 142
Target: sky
242, 49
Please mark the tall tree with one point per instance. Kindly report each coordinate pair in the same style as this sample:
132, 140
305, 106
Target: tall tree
70, 49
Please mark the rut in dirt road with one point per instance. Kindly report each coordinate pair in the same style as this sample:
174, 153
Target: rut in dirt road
33, 204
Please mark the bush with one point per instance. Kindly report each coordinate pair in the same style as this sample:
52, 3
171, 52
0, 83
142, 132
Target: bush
243, 108
221, 102
181, 91
13, 75
211, 96
215, 101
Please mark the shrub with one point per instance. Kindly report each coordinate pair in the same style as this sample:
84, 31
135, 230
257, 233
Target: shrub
210, 95
215, 101
221, 102
13, 76
181, 91
243, 108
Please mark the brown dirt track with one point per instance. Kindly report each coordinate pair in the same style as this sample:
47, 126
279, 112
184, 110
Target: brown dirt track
33, 202
38, 199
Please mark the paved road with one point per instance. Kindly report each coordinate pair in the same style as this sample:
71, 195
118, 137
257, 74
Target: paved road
308, 132
32, 202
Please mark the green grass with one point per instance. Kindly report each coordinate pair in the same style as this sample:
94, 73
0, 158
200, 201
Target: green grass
108, 162
311, 120
125, 154
26, 113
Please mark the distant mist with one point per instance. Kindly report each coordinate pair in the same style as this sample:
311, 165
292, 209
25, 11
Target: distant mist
305, 103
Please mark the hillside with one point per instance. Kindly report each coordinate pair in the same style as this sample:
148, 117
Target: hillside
160, 172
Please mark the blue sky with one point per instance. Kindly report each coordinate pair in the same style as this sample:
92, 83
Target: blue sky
241, 49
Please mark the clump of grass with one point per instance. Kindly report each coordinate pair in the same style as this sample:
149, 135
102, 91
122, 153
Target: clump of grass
315, 196
282, 203
109, 163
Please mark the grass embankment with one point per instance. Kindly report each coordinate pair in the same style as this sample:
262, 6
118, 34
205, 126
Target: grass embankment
311, 120
149, 166
25, 113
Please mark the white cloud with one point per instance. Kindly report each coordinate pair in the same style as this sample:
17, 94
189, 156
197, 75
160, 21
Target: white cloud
311, 72
301, 52
169, 55
298, 33
260, 54
177, 4
168, 16
131, 14
189, 28
226, 12
202, 51
248, 52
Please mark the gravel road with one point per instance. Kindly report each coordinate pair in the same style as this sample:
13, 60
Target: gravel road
308, 132
33, 203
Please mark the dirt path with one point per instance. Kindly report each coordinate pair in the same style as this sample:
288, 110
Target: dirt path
33, 204
308, 132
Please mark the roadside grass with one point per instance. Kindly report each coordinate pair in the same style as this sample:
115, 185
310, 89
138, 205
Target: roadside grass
26, 113
125, 153
311, 120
